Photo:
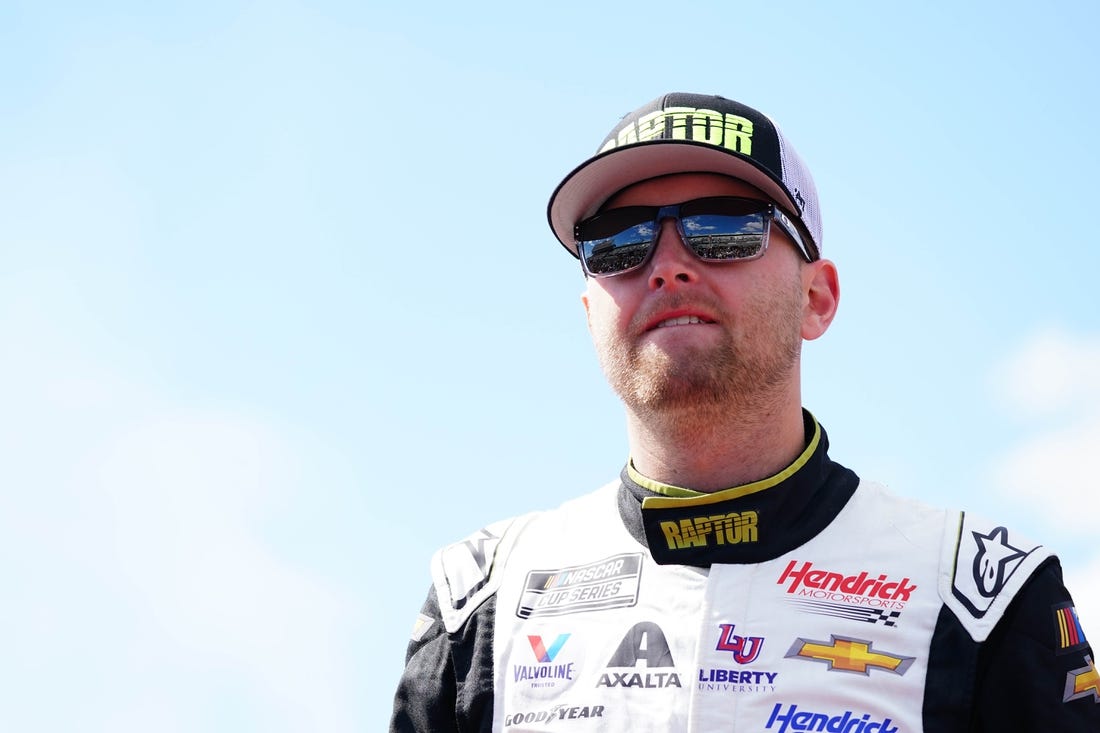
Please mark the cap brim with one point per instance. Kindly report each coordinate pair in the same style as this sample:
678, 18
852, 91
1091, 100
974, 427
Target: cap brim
593, 182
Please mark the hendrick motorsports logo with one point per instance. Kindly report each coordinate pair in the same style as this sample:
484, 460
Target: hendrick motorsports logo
609, 583
843, 610
794, 719
861, 589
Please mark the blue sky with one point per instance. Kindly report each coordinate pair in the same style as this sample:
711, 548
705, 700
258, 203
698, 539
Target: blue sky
280, 312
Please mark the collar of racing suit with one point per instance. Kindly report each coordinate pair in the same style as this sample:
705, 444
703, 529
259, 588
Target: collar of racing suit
743, 524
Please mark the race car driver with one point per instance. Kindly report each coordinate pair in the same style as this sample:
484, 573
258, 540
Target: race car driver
733, 577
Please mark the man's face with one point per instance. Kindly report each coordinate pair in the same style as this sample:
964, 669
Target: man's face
679, 333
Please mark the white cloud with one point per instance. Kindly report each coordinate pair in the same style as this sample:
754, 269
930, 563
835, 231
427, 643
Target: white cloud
1052, 385
1052, 382
1053, 372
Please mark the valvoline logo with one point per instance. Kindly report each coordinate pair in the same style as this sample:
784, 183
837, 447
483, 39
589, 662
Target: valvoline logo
548, 670
546, 654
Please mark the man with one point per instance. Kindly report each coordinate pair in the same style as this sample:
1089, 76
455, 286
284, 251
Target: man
734, 578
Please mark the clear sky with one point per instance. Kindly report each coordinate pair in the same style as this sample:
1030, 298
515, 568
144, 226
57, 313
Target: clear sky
280, 312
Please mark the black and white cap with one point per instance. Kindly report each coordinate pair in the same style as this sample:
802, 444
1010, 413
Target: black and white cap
689, 133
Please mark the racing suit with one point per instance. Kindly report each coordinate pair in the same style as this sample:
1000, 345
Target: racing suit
808, 601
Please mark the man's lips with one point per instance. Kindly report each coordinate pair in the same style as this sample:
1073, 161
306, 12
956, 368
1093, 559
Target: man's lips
677, 318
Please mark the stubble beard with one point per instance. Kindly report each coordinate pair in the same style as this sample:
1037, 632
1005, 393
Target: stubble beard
743, 375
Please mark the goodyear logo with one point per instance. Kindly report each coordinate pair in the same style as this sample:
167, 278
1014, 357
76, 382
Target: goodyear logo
848, 655
553, 714
719, 529
728, 131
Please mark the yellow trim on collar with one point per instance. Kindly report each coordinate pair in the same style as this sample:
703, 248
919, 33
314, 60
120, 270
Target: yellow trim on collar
675, 496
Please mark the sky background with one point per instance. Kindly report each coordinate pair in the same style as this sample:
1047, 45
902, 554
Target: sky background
280, 312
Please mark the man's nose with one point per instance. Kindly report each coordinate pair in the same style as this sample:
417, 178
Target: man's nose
672, 264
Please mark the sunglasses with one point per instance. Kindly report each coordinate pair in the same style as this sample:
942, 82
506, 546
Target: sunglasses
715, 229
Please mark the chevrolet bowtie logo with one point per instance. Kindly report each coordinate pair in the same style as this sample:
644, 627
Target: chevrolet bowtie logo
1083, 682
843, 654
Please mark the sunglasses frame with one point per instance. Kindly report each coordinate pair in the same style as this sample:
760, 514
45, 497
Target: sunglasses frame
769, 211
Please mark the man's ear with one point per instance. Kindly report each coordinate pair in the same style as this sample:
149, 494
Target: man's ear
821, 290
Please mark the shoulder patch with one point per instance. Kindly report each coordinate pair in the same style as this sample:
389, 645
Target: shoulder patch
985, 566
422, 626
463, 572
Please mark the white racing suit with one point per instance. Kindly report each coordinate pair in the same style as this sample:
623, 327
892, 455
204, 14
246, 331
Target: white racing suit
809, 601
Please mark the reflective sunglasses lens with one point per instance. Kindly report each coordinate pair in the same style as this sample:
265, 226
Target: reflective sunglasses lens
617, 240
715, 237
724, 229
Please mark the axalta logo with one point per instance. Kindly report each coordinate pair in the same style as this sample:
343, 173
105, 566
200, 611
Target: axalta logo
555, 714
792, 718
721, 529
644, 642
823, 584
709, 126
545, 673
843, 654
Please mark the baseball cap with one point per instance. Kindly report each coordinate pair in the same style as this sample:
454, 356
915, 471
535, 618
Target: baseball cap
689, 133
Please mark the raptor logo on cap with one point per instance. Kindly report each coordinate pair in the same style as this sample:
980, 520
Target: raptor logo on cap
728, 131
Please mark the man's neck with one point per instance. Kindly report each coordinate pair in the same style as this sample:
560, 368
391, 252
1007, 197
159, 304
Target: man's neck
713, 450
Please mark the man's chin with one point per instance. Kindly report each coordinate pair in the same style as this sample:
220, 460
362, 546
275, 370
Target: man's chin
673, 391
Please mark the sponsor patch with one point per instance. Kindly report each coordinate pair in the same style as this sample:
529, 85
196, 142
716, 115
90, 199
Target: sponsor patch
844, 654
468, 564
421, 627
548, 670
1083, 683
554, 714
731, 528
744, 650
609, 583
1071, 636
645, 642
791, 718
860, 589
843, 610
986, 561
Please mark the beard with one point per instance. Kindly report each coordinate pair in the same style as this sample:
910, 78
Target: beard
744, 372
